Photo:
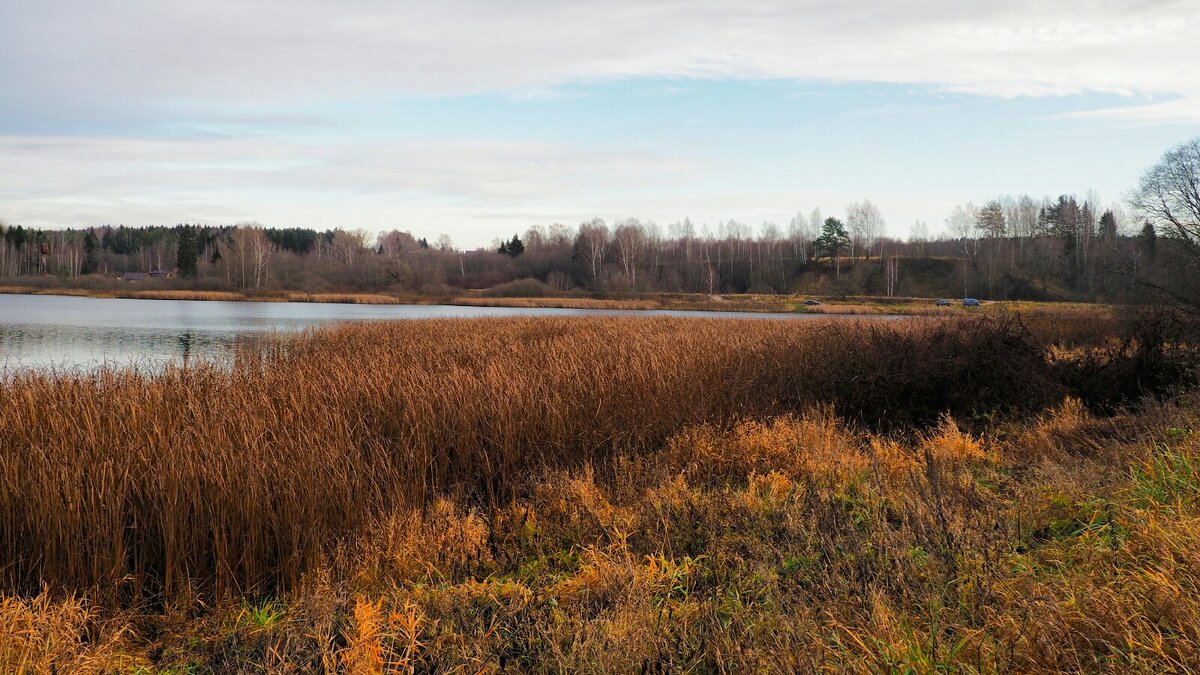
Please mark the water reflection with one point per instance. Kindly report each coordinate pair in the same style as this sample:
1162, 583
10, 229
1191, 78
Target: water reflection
185, 346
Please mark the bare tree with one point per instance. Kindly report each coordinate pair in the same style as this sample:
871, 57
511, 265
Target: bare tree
347, 245
592, 241
854, 226
631, 242
535, 237
1168, 196
798, 236
394, 243
865, 223
918, 235
261, 250
960, 224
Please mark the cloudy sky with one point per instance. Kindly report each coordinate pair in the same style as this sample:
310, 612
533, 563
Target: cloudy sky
479, 118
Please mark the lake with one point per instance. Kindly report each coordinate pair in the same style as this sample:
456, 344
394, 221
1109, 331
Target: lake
39, 331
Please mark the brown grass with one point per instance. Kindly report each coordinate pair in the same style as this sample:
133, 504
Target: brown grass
346, 298
215, 467
791, 544
753, 303
604, 495
565, 303
221, 296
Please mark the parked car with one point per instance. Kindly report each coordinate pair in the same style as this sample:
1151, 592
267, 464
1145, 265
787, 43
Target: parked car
810, 302
943, 302
971, 302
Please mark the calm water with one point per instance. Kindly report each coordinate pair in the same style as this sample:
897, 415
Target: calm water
69, 332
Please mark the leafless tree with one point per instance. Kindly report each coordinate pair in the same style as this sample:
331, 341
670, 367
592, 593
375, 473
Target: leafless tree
865, 224
592, 240
918, 234
261, 250
1168, 196
631, 243
394, 243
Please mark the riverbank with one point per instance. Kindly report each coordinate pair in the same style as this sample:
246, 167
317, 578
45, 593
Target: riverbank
758, 303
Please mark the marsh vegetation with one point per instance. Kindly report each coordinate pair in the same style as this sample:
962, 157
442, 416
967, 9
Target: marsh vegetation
611, 494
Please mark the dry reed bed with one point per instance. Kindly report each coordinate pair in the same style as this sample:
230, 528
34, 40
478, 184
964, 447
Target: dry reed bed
133, 292
565, 303
791, 544
243, 479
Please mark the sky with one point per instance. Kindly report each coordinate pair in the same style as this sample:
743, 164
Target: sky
479, 118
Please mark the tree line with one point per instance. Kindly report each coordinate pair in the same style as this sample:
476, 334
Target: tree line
1006, 247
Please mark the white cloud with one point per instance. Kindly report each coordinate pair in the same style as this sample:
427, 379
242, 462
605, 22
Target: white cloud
472, 191
1184, 110
137, 52
86, 67
95, 180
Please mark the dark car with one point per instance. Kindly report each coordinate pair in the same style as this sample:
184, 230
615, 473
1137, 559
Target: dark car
970, 302
811, 302
943, 303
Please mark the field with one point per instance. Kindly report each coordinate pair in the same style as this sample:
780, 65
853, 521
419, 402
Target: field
1000, 493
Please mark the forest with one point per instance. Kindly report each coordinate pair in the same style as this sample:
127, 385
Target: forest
1009, 248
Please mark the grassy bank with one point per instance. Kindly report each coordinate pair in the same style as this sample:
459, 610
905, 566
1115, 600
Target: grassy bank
613, 495
133, 292
758, 303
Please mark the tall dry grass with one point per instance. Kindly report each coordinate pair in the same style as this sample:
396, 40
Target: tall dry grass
604, 495
563, 302
788, 544
241, 479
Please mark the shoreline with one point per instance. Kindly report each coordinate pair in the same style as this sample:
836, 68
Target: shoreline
782, 304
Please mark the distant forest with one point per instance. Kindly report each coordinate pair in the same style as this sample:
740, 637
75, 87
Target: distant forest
1064, 248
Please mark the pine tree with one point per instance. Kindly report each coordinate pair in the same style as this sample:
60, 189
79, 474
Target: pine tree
833, 239
1148, 240
187, 254
90, 264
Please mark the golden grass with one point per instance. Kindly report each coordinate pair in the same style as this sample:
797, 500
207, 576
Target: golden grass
216, 466
346, 298
45, 634
23, 290
754, 303
605, 495
565, 303
790, 544
220, 296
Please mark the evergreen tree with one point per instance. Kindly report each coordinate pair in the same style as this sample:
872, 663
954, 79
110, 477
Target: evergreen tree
515, 247
991, 219
187, 254
1108, 227
90, 264
1148, 240
833, 239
